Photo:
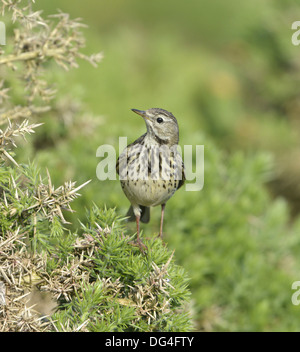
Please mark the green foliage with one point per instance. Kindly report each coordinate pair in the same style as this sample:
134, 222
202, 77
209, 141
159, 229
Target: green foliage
98, 279
125, 290
236, 242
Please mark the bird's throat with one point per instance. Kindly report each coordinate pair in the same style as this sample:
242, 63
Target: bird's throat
151, 135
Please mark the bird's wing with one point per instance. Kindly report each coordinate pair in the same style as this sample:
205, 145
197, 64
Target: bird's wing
182, 180
117, 165
124, 153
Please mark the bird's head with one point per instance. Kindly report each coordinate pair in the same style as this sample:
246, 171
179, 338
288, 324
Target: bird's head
161, 125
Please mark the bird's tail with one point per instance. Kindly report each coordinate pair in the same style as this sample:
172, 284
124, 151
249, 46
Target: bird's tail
145, 214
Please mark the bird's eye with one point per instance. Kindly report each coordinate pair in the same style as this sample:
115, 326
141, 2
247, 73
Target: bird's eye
159, 120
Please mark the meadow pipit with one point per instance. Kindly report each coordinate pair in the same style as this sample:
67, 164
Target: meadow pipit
151, 168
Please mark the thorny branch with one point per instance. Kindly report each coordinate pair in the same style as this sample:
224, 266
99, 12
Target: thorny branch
24, 202
39, 40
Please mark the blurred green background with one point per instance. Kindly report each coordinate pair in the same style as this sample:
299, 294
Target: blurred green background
230, 74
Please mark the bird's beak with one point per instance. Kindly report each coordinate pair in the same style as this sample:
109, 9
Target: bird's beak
141, 113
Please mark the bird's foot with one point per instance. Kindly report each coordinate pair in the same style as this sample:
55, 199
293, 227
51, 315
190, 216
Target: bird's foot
140, 244
159, 236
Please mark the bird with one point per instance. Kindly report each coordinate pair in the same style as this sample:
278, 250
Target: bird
151, 168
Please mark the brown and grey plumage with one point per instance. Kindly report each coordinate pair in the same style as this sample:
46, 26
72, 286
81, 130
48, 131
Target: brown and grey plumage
151, 168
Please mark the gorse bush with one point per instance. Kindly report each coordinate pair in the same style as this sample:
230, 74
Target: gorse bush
52, 278
128, 291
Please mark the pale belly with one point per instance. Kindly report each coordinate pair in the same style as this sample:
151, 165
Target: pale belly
149, 192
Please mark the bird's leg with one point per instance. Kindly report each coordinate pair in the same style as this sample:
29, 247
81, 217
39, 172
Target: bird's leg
139, 242
138, 227
162, 220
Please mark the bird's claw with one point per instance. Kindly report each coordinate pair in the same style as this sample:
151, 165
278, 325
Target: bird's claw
140, 244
